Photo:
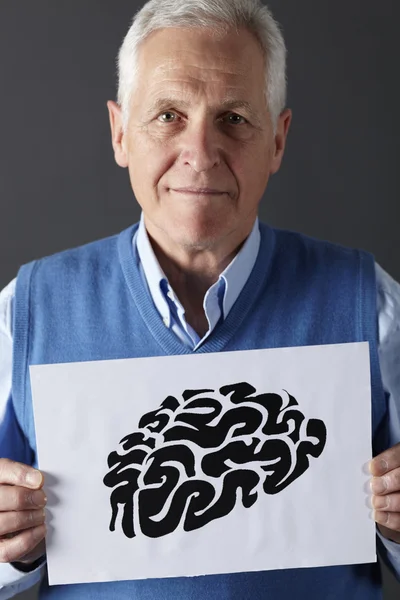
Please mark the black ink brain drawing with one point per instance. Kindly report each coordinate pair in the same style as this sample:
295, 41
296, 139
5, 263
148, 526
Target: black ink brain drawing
193, 459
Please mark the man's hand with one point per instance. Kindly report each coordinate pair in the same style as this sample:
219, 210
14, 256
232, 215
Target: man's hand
385, 486
22, 502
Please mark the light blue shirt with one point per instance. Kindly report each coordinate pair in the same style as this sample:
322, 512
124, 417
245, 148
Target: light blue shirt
218, 301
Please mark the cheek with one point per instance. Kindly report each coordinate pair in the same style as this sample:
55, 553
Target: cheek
147, 166
251, 169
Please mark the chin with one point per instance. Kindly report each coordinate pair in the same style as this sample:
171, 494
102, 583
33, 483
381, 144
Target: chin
196, 236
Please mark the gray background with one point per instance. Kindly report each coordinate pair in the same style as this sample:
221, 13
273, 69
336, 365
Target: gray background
59, 186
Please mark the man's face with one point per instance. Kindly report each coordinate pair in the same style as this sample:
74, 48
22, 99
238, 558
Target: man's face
199, 121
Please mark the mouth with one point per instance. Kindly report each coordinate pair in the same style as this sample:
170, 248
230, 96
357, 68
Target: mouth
198, 191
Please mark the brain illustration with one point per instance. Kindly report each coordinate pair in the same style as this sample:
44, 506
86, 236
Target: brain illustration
194, 458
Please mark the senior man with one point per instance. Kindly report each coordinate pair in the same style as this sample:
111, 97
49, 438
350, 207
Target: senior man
201, 125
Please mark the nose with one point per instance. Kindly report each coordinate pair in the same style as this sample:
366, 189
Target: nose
200, 146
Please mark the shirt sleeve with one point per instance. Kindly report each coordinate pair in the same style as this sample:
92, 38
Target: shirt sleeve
12, 443
388, 303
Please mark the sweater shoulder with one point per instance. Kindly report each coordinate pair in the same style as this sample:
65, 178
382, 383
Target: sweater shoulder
94, 257
78, 254
296, 244
308, 259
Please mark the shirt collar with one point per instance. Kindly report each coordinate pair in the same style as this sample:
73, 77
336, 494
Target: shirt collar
238, 271
153, 272
234, 275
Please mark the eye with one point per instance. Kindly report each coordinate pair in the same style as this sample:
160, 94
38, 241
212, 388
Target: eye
168, 114
235, 119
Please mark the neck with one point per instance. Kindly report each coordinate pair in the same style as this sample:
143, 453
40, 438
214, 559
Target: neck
191, 273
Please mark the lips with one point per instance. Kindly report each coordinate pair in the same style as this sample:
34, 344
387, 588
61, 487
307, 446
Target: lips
193, 190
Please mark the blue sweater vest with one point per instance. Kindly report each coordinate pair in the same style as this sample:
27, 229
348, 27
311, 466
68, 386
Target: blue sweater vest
90, 303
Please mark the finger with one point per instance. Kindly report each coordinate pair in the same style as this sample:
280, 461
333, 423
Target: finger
17, 498
13, 521
38, 552
15, 473
388, 502
387, 484
386, 461
13, 549
391, 520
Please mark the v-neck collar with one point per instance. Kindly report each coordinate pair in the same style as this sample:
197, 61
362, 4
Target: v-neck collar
224, 331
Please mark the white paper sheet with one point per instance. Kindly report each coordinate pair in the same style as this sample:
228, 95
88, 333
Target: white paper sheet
205, 484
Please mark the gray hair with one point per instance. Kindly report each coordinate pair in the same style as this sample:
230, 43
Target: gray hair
219, 15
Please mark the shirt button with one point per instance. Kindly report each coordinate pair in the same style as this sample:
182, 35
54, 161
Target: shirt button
165, 319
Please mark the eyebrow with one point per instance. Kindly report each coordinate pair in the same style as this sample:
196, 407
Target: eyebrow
169, 102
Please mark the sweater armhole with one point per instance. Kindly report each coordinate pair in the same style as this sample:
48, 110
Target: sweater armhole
21, 341
369, 329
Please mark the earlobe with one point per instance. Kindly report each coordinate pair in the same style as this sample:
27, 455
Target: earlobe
117, 134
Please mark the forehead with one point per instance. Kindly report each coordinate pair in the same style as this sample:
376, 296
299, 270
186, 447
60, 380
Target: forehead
200, 56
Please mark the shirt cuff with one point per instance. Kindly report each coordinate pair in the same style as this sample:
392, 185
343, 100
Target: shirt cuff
13, 581
391, 554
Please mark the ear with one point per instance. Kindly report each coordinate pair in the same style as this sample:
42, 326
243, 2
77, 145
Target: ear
282, 131
117, 134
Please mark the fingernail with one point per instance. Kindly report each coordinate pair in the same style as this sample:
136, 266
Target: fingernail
383, 465
381, 517
378, 485
38, 498
379, 465
39, 516
39, 532
33, 478
380, 502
